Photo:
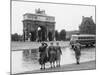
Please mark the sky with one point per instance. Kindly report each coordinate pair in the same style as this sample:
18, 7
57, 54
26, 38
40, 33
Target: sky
67, 17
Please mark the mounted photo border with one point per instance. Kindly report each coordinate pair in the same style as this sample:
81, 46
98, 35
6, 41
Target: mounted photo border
46, 3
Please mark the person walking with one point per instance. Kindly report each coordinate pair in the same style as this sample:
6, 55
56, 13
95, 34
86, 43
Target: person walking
58, 54
77, 50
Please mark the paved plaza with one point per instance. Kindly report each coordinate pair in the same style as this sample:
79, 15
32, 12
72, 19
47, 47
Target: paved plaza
72, 67
27, 63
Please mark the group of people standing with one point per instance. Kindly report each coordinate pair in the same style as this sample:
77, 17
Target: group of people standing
50, 54
53, 54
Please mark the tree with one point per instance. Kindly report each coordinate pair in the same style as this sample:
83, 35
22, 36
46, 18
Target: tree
63, 35
57, 36
16, 37
50, 36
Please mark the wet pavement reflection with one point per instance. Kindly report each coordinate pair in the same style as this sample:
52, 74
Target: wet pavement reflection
27, 60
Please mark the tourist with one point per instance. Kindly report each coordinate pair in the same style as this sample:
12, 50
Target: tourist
43, 55
52, 55
77, 50
58, 54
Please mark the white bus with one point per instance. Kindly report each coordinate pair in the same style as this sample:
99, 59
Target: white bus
84, 39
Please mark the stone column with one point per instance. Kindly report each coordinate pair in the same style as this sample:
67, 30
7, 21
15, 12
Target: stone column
47, 35
24, 36
37, 37
52, 35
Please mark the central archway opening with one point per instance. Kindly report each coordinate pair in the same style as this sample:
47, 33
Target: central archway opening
42, 33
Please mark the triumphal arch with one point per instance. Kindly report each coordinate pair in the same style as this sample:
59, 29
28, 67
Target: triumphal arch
38, 26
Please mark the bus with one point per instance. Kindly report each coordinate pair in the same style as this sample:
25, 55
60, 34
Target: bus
83, 39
